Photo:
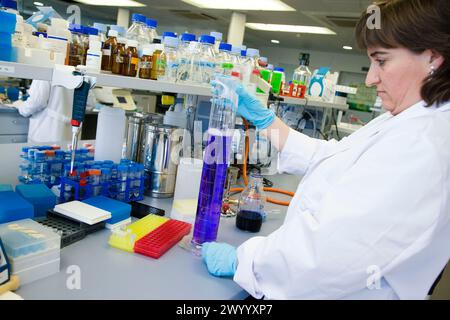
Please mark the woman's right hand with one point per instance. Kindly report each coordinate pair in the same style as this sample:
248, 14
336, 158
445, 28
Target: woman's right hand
249, 107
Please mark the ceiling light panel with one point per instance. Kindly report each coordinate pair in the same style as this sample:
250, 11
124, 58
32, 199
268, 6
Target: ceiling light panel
290, 28
258, 5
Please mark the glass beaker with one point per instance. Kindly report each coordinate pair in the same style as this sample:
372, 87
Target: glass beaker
251, 205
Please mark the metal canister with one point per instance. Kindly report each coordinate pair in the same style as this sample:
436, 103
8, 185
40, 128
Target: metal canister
135, 130
158, 147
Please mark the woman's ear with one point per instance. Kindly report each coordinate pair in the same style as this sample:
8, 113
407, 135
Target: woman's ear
436, 59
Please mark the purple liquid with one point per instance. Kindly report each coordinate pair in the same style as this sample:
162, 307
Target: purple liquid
212, 185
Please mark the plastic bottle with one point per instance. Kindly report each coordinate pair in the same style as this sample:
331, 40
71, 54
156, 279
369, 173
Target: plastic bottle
156, 61
168, 34
88, 34
94, 179
302, 75
167, 69
118, 56
137, 31
94, 55
218, 36
76, 49
145, 68
122, 175
150, 29
131, 60
58, 36
249, 64
277, 80
108, 48
251, 205
207, 59
235, 55
102, 28
110, 134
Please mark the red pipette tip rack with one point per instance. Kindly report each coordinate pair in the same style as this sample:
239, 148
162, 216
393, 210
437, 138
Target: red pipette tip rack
160, 240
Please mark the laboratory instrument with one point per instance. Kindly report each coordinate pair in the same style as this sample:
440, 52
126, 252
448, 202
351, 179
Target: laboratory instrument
251, 213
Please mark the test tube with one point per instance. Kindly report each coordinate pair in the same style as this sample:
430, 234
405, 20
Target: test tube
50, 161
94, 175
39, 158
122, 172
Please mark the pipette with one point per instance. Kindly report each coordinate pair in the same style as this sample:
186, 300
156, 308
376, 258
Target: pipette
78, 112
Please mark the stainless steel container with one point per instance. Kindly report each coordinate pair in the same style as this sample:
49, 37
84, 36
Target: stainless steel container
135, 130
158, 146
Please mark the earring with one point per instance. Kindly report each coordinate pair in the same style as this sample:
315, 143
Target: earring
432, 70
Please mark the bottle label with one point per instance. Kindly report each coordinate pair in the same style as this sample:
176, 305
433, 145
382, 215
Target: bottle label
146, 64
119, 59
106, 52
135, 62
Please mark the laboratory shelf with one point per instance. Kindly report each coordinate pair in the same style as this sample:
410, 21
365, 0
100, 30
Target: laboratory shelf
313, 103
27, 71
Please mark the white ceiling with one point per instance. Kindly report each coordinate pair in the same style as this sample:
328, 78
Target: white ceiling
179, 17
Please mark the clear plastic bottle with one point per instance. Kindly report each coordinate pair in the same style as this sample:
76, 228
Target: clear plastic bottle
302, 75
251, 213
150, 29
236, 60
137, 31
249, 64
102, 28
207, 59
169, 61
218, 36
94, 55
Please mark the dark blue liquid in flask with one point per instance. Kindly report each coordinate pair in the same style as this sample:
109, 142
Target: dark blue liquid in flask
215, 164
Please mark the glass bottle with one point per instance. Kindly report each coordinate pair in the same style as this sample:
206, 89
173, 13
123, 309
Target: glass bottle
145, 68
76, 49
150, 29
131, 61
302, 75
207, 60
107, 50
169, 60
118, 55
251, 205
157, 66
137, 31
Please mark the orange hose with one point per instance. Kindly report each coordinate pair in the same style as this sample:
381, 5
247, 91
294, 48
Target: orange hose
244, 173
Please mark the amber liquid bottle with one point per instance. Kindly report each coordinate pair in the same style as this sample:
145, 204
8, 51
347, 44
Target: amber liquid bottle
131, 60
145, 67
107, 50
118, 56
157, 63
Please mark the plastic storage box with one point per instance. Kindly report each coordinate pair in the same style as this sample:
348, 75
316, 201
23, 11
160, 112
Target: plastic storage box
6, 187
39, 195
33, 250
119, 210
14, 207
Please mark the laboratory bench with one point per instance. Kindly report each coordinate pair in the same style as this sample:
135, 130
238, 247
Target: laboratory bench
109, 273
13, 126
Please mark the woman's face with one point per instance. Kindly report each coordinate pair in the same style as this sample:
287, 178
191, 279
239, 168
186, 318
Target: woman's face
398, 75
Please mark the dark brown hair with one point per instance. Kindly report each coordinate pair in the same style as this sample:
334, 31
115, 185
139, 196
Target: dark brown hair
417, 25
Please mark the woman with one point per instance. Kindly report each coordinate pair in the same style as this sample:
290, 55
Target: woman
375, 205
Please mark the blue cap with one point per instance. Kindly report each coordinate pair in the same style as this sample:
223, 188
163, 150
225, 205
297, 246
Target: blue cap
151, 23
225, 46
106, 171
279, 69
89, 31
243, 53
11, 4
122, 167
188, 37
169, 34
39, 155
37, 34
137, 17
100, 27
204, 38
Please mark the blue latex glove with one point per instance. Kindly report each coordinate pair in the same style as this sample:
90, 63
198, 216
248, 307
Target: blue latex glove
249, 107
220, 258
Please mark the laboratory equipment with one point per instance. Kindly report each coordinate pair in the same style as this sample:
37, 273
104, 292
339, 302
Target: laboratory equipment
168, 66
39, 195
187, 188
145, 66
122, 99
150, 29
277, 80
131, 59
101, 31
176, 115
94, 55
108, 48
125, 239
156, 61
206, 64
14, 207
137, 31
33, 250
186, 52
69, 230
160, 240
120, 211
135, 128
118, 55
5, 269
7, 29
140, 210
110, 134
215, 163
83, 212
251, 213
302, 75
159, 145
58, 36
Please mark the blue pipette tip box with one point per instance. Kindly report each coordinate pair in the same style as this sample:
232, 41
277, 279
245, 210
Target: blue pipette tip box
39, 195
119, 210
13, 207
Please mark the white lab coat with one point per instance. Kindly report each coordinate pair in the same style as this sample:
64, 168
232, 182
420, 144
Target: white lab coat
378, 200
50, 111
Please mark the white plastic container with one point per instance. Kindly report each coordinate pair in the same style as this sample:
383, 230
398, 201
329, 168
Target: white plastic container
110, 134
94, 55
187, 188
58, 36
